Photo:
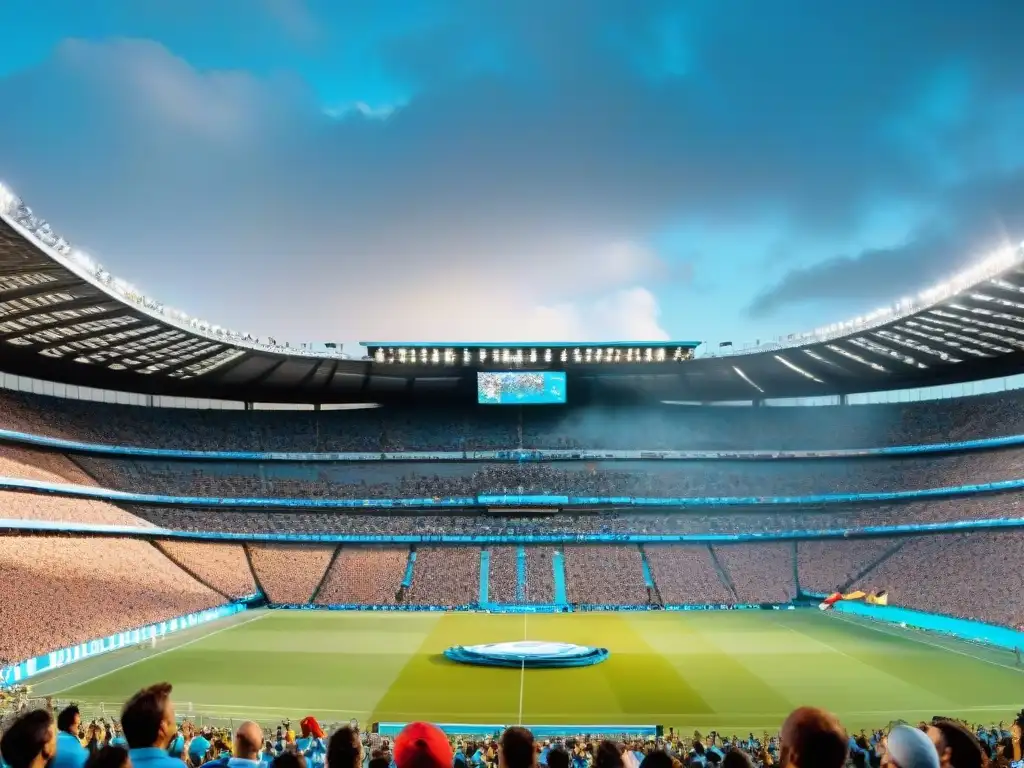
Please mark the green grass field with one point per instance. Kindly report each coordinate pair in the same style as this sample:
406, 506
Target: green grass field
733, 671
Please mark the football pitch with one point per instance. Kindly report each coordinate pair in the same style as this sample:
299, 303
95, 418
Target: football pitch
733, 671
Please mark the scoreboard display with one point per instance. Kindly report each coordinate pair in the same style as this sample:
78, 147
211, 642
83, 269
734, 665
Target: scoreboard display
515, 388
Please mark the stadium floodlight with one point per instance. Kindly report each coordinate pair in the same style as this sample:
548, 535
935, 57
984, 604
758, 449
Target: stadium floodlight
12, 207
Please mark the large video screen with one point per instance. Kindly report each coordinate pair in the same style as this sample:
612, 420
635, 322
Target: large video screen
512, 388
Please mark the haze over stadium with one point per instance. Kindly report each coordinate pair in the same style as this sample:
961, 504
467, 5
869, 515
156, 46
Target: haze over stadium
437, 402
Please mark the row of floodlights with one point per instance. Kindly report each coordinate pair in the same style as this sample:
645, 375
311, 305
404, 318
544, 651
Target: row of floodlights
11, 205
987, 268
482, 356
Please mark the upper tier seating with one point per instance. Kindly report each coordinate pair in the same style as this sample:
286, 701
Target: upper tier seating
370, 480
483, 428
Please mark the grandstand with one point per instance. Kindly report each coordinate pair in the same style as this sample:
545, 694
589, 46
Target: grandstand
323, 560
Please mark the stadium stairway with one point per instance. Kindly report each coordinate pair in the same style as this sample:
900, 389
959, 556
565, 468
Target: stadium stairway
407, 580
558, 565
252, 569
796, 565
874, 564
190, 572
723, 574
521, 574
485, 575
327, 573
652, 585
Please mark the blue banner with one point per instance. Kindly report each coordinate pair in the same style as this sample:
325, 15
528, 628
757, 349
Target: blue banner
70, 490
17, 674
519, 455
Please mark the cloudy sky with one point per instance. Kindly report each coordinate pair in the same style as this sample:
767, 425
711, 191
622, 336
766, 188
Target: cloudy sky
519, 169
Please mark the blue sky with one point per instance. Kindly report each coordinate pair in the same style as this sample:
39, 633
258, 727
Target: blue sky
519, 169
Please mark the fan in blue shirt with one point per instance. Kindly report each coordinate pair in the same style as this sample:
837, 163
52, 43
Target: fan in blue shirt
70, 752
198, 748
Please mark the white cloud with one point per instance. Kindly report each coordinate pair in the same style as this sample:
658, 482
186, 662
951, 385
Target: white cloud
234, 200
629, 314
361, 108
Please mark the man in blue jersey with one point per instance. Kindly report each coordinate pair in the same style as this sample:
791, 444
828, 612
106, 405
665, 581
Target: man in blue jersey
70, 752
30, 741
147, 721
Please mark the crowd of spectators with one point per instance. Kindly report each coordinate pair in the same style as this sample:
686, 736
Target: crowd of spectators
972, 576
687, 574
827, 566
653, 521
605, 575
61, 591
540, 575
758, 573
222, 567
427, 480
489, 428
289, 573
53, 468
503, 575
148, 734
364, 575
446, 576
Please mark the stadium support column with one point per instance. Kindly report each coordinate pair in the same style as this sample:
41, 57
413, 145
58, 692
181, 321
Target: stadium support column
521, 574
249, 406
844, 400
485, 576
558, 566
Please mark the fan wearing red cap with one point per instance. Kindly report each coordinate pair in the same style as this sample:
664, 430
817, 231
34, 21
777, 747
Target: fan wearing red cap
422, 745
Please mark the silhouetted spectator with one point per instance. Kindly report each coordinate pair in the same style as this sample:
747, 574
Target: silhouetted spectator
30, 741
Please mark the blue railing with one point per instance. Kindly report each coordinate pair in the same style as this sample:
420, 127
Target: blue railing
485, 575
521, 574
74, 491
558, 572
960, 526
512, 455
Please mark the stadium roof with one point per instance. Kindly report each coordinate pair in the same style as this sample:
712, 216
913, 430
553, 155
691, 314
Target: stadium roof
63, 318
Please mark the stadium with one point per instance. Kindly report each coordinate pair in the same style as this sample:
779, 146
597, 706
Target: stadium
610, 548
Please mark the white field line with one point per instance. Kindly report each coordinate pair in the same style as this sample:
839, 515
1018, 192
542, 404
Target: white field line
910, 636
259, 616
776, 717
522, 674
